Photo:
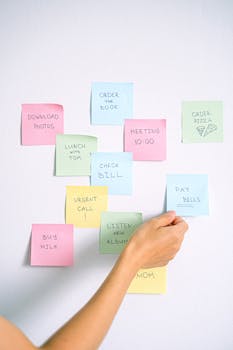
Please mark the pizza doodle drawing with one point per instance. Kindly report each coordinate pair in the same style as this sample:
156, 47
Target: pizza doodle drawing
204, 117
206, 130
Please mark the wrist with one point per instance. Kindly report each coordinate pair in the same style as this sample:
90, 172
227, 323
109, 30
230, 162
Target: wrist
130, 258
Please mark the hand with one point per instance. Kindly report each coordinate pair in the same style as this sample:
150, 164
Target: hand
157, 241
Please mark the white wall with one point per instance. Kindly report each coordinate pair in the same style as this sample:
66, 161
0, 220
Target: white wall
51, 51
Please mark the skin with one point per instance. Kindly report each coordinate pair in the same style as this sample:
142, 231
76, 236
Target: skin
153, 244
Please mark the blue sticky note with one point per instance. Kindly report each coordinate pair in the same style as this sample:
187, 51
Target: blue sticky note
113, 170
188, 194
111, 103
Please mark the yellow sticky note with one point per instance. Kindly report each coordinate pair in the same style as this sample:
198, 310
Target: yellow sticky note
84, 205
149, 281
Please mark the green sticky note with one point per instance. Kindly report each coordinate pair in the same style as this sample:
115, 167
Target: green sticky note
202, 121
73, 154
116, 229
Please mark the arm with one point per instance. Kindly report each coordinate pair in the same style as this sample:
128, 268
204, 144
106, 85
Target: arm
11, 338
154, 244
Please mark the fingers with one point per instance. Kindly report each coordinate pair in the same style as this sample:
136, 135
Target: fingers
165, 219
177, 220
180, 224
176, 231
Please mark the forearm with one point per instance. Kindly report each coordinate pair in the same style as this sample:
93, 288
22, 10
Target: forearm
154, 244
87, 328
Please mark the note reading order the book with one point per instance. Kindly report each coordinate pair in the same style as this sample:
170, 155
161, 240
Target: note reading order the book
111, 103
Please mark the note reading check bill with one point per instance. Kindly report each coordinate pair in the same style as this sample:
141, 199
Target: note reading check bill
113, 170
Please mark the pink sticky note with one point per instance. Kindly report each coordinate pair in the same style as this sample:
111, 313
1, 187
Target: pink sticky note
145, 138
52, 245
41, 123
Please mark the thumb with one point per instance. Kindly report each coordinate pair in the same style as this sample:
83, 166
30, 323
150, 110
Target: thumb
166, 218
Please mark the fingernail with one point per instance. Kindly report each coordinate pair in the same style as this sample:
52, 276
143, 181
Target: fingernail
171, 212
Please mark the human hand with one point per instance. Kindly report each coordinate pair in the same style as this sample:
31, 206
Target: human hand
157, 241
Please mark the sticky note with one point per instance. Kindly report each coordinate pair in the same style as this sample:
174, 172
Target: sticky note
73, 154
84, 205
187, 194
52, 245
145, 138
149, 281
116, 229
111, 103
113, 170
41, 123
202, 121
